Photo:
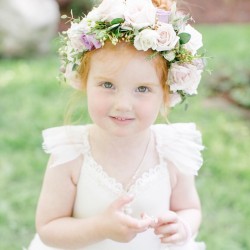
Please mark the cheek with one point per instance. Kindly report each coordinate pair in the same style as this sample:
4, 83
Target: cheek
150, 109
97, 104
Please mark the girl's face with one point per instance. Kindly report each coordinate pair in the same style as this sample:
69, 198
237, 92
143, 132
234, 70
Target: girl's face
124, 91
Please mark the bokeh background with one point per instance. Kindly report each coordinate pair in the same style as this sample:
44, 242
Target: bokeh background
31, 99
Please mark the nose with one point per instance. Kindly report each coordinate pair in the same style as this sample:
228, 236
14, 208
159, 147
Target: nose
123, 102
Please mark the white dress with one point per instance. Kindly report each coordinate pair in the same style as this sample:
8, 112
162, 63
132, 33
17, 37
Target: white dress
178, 143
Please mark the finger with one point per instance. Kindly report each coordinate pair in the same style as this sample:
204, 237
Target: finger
169, 217
153, 219
167, 229
121, 202
136, 224
175, 238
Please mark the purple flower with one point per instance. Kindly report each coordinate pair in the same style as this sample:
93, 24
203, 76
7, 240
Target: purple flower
163, 15
90, 42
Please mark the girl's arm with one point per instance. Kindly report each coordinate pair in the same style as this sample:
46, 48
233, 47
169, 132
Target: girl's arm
184, 218
55, 224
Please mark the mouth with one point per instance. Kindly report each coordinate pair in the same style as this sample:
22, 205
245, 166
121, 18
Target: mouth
122, 119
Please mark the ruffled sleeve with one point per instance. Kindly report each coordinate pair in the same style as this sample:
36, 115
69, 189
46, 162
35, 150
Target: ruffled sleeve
180, 144
65, 143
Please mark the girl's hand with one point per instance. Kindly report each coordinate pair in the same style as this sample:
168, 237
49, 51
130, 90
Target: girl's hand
119, 226
172, 229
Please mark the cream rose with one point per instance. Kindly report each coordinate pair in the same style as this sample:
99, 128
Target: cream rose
195, 41
167, 37
146, 39
108, 10
140, 13
185, 77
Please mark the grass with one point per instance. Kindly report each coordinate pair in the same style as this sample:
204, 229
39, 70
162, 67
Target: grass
31, 100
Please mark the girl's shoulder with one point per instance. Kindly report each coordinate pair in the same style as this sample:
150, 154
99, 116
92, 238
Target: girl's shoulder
181, 145
65, 143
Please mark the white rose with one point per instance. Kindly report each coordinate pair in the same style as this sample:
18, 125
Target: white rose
140, 13
107, 11
167, 37
195, 41
185, 77
174, 99
146, 39
86, 24
72, 77
75, 33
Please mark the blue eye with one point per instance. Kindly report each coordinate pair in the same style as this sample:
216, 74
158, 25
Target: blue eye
143, 89
107, 85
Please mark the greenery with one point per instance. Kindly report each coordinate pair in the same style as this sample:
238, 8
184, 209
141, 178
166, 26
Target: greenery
231, 65
31, 100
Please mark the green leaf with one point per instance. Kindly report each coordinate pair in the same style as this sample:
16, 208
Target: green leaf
184, 38
113, 26
116, 21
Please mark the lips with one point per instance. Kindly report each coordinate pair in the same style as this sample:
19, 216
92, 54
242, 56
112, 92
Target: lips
121, 119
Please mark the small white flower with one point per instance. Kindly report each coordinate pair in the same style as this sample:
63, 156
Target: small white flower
174, 99
107, 11
69, 51
140, 13
167, 37
195, 42
185, 77
146, 39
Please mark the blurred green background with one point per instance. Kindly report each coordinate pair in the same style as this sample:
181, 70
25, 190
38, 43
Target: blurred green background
31, 99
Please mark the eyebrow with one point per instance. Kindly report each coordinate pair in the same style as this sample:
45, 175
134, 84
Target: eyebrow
149, 84
103, 77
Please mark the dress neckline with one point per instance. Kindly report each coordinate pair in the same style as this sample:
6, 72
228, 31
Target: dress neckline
112, 182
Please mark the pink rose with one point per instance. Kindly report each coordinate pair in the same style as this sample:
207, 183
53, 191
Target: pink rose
167, 37
140, 13
185, 77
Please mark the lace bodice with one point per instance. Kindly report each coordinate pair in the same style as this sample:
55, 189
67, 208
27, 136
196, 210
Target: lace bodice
179, 144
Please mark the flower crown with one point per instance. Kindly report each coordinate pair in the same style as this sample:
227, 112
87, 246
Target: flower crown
147, 28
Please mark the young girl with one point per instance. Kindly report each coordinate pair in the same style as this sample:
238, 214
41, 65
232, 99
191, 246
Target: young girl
122, 182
